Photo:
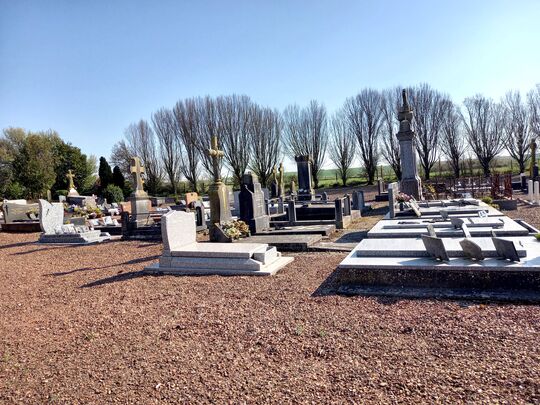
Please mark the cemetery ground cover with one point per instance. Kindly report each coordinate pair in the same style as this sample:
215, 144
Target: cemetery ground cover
84, 325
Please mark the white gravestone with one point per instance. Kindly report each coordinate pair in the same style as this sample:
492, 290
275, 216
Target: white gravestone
51, 216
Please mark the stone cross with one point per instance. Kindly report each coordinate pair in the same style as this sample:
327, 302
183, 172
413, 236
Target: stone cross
137, 170
216, 156
70, 177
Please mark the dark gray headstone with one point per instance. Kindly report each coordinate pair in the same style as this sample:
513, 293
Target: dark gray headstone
506, 249
435, 248
471, 249
305, 188
252, 204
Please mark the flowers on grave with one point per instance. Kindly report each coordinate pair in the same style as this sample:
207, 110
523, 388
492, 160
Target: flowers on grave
235, 229
86, 212
32, 213
402, 197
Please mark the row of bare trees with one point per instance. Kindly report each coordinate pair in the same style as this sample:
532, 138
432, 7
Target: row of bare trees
174, 143
443, 131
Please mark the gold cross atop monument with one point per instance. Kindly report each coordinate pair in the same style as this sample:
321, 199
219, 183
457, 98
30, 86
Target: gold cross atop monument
70, 176
216, 156
137, 170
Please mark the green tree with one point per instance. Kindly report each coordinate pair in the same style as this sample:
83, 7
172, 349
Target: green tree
34, 165
105, 173
10, 145
113, 194
69, 157
118, 178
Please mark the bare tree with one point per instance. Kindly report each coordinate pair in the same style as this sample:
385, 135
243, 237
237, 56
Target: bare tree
342, 146
533, 99
364, 117
142, 142
234, 117
429, 106
517, 137
169, 146
266, 127
390, 102
484, 122
305, 133
188, 121
452, 139
121, 156
208, 127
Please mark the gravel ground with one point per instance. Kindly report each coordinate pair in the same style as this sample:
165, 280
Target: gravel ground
83, 325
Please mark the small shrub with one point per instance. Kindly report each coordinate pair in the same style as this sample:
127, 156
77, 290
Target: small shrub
113, 194
488, 200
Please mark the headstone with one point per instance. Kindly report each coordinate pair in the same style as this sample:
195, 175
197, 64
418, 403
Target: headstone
471, 249
410, 181
380, 186
220, 211
358, 200
505, 249
140, 203
178, 231
281, 180
324, 196
51, 216
435, 248
530, 191
305, 188
191, 197
291, 213
537, 192
293, 189
252, 204
392, 191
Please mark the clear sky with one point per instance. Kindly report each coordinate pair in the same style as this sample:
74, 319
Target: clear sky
90, 68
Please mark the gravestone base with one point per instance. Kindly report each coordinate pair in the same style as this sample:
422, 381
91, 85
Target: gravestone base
83, 238
217, 235
412, 187
140, 214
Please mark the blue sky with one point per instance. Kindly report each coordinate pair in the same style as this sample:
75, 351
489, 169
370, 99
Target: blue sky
90, 68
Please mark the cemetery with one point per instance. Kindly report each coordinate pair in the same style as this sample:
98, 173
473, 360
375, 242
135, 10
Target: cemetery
269, 202
160, 272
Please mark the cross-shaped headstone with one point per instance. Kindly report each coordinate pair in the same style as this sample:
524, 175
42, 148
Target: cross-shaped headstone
137, 170
70, 177
216, 156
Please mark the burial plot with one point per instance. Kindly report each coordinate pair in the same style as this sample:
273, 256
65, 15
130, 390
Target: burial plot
182, 255
19, 216
55, 231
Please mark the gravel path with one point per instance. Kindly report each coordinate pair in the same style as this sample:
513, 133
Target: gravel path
84, 325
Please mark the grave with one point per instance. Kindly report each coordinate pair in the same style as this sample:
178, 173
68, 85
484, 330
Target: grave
220, 211
359, 202
382, 194
461, 257
19, 216
252, 204
182, 255
410, 183
305, 187
51, 219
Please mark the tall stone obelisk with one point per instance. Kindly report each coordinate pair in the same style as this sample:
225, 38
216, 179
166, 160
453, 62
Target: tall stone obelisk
410, 181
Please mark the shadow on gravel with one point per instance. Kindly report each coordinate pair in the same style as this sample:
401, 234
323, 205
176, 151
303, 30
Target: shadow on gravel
133, 261
116, 278
42, 249
13, 245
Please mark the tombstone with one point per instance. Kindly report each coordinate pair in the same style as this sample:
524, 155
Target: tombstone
274, 184
324, 196
291, 212
51, 216
293, 189
305, 188
471, 249
182, 254
281, 181
140, 203
392, 191
252, 204
236, 203
536, 187
505, 249
359, 202
410, 181
220, 211
55, 231
380, 186
191, 197
435, 247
